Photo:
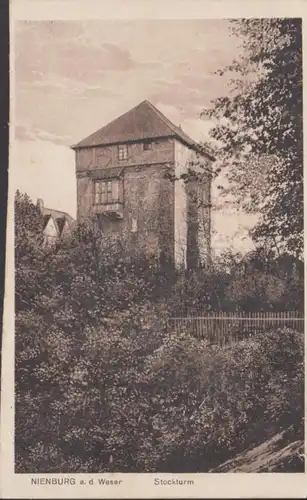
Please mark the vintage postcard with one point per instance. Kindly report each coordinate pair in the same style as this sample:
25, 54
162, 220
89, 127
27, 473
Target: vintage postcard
153, 340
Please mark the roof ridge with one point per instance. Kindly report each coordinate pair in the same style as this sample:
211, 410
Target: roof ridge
177, 129
50, 216
110, 123
59, 211
166, 120
143, 121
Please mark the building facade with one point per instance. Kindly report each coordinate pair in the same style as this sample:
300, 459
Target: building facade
129, 178
57, 225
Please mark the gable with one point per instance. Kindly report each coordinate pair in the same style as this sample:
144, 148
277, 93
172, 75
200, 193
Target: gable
60, 221
59, 217
65, 228
50, 228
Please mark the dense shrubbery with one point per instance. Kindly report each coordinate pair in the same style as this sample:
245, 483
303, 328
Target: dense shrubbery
257, 282
129, 396
102, 384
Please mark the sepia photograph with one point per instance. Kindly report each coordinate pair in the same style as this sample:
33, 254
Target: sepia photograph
158, 247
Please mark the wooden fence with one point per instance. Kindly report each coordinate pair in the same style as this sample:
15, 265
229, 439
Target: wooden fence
224, 327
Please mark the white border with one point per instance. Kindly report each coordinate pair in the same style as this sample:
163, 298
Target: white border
134, 485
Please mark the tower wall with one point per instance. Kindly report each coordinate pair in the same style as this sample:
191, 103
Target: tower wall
147, 209
192, 208
165, 218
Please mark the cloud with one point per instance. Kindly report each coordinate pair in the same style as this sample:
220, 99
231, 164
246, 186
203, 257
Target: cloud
74, 77
27, 133
189, 101
41, 52
72, 60
118, 58
66, 86
192, 87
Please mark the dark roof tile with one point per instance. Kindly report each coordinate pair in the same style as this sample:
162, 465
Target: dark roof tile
109, 173
46, 218
60, 223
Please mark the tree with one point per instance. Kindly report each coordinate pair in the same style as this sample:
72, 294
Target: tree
103, 384
29, 250
259, 128
262, 281
28, 226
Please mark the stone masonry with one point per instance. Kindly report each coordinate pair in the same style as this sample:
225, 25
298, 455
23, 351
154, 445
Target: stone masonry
126, 175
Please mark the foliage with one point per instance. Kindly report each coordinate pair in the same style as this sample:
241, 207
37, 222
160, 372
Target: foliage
200, 290
263, 282
29, 250
103, 384
86, 278
257, 281
28, 227
259, 131
130, 396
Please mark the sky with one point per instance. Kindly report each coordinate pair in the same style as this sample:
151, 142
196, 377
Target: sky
73, 77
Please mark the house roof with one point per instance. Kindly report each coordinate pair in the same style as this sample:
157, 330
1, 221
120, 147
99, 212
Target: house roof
61, 222
142, 122
59, 219
46, 219
110, 173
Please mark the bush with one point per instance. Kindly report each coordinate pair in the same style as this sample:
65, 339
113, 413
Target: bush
102, 384
79, 389
131, 396
250, 283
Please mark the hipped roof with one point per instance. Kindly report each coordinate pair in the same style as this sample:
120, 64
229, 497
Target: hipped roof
142, 122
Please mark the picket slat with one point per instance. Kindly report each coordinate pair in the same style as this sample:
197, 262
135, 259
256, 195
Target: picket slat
227, 327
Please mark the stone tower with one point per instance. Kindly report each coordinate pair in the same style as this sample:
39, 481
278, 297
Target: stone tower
129, 176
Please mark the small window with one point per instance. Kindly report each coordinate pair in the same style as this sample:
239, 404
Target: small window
123, 152
147, 146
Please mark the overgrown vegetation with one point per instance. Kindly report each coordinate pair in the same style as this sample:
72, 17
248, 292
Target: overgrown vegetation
103, 384
259, 129
258, 281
